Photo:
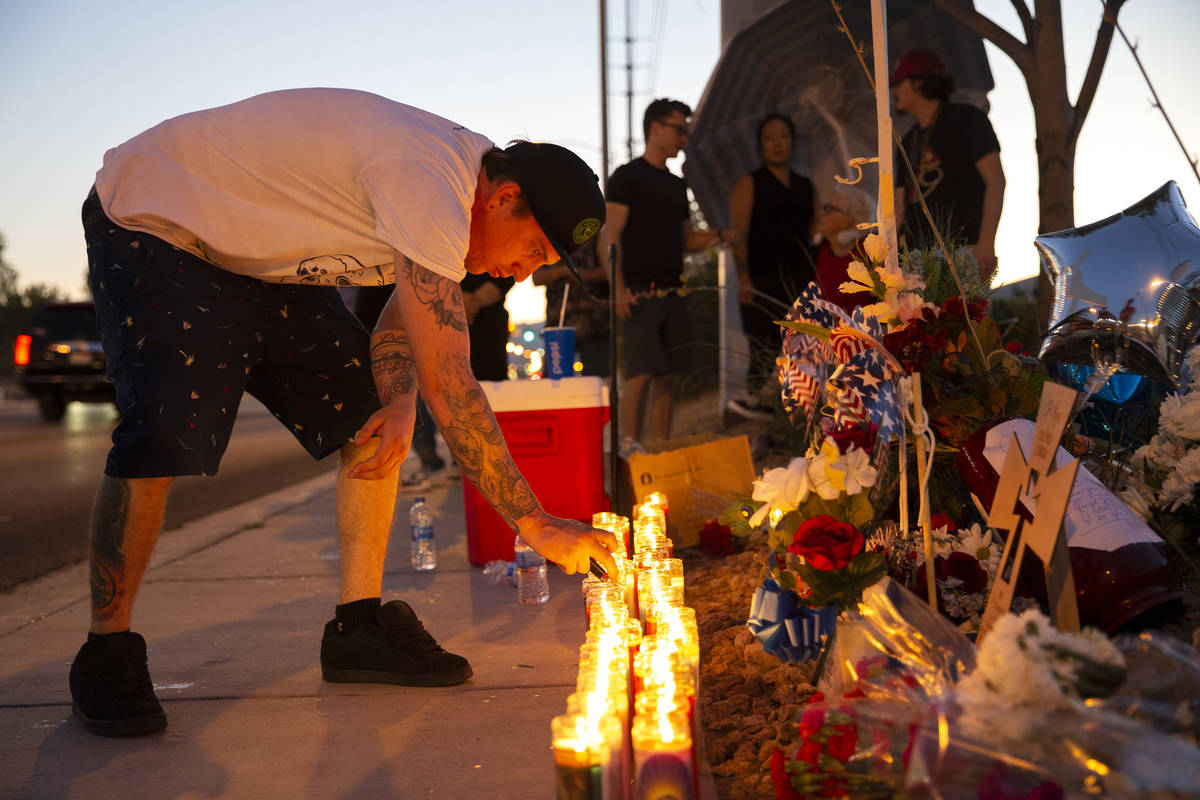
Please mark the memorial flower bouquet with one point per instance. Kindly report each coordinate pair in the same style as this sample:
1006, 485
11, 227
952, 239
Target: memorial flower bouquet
1165, 472
815, 509
1032, 713
965, 564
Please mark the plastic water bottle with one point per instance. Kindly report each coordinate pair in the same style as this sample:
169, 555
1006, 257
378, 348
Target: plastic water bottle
532, 587
420, 522
498, 571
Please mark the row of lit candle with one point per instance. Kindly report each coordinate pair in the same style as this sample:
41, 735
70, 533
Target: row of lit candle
629, 726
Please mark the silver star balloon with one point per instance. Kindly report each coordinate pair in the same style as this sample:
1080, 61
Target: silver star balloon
1126, 291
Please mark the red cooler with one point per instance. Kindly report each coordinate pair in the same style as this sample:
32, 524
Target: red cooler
555, 432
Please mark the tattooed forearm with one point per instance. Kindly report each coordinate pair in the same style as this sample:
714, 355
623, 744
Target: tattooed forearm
441, 295
107, 535
392, 365
474, 438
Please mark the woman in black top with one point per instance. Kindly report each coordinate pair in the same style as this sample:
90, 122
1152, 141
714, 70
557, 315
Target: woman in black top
771, 210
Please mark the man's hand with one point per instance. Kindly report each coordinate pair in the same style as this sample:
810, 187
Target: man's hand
471, 305
625, 303
568, 543
393, 424
985, 255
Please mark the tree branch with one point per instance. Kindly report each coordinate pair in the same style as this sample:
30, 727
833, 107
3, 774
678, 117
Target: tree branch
1013, 47
1091, 80
1026, 18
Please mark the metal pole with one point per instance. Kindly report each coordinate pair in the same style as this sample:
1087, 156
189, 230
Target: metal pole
614, 421
629, 78
604, 163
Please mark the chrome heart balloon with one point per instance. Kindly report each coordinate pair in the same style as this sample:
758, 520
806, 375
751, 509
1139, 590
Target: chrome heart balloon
1126, 290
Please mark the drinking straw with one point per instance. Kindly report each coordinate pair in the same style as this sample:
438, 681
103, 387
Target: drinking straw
562, 312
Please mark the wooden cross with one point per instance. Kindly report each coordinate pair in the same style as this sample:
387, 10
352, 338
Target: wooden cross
1051, 489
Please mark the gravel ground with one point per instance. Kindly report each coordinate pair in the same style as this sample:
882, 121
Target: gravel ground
747, 698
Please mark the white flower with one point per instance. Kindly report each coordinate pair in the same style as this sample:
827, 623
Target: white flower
781, 488
819, 478
1138, 498
1192, 360
875, 246
1179, 485
1179, 415
1161, 450
859, 474
975, 540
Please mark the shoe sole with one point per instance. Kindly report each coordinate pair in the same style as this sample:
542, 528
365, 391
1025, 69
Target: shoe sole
132, 726
395, 678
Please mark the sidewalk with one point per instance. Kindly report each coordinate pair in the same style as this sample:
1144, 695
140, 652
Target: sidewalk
232, 609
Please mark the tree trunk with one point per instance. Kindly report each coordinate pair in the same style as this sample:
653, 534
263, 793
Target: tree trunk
1055, 135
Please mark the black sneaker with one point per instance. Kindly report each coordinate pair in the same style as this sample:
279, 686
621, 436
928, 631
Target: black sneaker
395, 648
111, 692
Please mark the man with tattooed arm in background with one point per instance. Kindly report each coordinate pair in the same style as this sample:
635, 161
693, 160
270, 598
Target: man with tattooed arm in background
206, 235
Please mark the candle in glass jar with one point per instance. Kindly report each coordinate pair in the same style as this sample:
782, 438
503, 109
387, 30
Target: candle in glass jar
578, 760
615, 524
662, 757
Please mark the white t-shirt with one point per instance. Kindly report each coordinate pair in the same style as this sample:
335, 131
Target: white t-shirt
302, 186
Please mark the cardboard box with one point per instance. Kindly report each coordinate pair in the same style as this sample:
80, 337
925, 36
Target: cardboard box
698, 480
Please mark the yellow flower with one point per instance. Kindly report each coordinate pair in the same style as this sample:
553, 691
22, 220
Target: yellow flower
875, 247
860, 279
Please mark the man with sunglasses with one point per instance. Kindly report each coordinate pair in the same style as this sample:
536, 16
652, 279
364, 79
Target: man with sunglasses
648, 221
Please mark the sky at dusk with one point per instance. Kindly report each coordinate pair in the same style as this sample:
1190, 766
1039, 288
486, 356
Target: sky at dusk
81, 77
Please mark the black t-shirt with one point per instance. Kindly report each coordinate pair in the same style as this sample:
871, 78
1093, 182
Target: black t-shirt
652, 242
943, 157
489, 331
777, 243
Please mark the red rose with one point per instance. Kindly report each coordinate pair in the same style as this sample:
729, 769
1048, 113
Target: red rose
940, 520
1015, 348
826, 543
716, 539
811, 722
809, 752
780, 778
842, 745
851, 435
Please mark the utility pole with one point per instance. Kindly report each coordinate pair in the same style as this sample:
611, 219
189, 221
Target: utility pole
629, 77
604, 162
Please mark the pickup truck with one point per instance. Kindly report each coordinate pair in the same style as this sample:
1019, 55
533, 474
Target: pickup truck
60, 360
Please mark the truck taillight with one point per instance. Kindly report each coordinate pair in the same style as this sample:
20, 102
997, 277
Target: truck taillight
21, 350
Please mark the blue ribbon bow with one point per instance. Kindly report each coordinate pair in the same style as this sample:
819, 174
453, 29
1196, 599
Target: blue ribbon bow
788, 630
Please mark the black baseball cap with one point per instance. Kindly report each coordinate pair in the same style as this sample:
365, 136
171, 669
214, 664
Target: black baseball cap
562, 192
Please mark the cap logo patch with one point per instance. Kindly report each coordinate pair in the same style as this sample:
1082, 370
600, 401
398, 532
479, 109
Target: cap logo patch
585, 230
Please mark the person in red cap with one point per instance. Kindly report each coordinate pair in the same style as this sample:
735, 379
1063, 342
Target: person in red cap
216, 242
956, 157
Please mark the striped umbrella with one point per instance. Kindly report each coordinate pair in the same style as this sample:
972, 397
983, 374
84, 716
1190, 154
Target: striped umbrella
794, 61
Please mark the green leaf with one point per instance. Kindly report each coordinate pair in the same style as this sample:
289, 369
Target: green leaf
805, 327
789, 523
778, 540
786, 579
859, 510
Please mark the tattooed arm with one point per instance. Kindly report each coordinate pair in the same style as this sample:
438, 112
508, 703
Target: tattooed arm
423, 329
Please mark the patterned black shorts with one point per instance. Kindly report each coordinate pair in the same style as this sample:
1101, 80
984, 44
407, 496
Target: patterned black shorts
184, 339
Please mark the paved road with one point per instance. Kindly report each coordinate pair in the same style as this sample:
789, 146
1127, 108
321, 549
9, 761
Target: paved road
49, 473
